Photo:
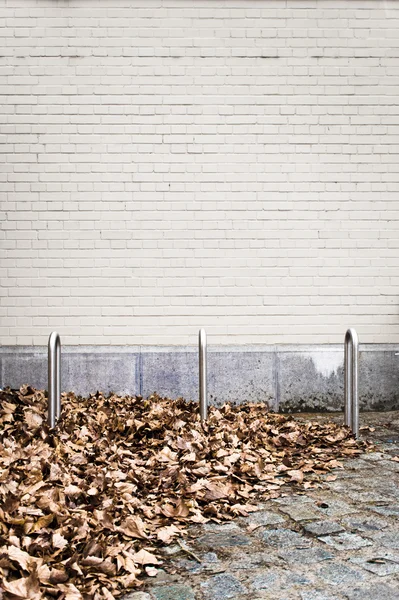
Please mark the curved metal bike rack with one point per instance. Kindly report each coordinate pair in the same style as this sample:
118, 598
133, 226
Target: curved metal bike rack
351, 381
54, 378
203, 395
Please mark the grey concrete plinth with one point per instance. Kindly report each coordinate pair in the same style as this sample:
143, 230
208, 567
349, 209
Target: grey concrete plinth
284, 378
170, 373
310, 380
83, 370
379, 380
234, 375
242, 376
29, 367
88, 372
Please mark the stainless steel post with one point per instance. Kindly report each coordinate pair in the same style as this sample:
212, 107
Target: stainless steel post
54, 378
203, 396
351, 381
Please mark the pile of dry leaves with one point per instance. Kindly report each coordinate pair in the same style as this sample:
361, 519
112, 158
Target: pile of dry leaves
83, 508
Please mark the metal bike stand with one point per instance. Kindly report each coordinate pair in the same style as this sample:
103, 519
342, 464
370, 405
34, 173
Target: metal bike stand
54, 378
203, 395
351, 381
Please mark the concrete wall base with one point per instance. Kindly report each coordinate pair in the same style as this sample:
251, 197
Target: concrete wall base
286, 378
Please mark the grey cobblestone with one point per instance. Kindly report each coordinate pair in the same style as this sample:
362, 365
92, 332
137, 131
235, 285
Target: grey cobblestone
284, 538
306, 556
364, 524
222, 587
223, 539
318, 595
337, 573
374, 592
252, 560
387, 511
388, 540
209, 562
173, 592
266, 580
302, 512
335, 508
345, 541
323, 528
266, 517
378, 566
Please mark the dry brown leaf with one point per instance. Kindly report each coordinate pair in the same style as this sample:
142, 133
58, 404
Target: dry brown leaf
166, 534
143, 557
59, 541
118, 476
296, 475
22, 558
216, 491
133, 527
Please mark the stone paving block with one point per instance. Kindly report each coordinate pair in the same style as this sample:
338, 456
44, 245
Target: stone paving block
323, 528
275, 594
318, 595
373, 456
302, 512
368, 496
221, 527
173, 592
392, 556
296, 579
378, 591
387, 511
335, 508
225, 534
388, 465
306, 556
389, 539
379, 566
345, 541
251, 560
294, 500
222, 587
265, 517
336, 573
209, 562
357, 463
266, 580
365, 524
220, 540
284, 538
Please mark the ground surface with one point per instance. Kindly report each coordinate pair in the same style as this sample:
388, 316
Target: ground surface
338, 542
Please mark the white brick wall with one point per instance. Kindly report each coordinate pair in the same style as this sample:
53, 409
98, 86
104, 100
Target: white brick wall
171, 164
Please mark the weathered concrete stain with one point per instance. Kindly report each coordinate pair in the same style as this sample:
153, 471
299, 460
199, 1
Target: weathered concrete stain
285, 379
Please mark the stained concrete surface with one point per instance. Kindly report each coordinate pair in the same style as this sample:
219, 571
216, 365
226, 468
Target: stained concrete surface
310, 380
286, 378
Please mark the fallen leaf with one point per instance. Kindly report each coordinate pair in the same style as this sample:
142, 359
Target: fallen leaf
143, 557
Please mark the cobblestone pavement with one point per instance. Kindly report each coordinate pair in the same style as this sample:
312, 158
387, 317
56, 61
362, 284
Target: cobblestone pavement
338, 542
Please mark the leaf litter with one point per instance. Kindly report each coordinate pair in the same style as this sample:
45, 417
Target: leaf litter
85, 508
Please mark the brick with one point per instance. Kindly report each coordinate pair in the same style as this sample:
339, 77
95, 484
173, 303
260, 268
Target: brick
230, 157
